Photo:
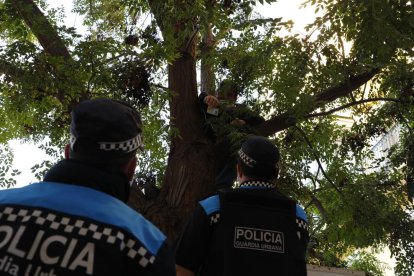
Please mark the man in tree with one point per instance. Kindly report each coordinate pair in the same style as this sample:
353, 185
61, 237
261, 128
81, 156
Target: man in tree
227, 124
76, 221
251, 230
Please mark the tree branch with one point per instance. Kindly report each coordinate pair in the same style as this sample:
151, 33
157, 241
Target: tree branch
258, 21
288, 119
158, 9
50, 40
354, 82
160, 86
207, 74
41, 28
317, 160
352, 104
314, 200
318, 204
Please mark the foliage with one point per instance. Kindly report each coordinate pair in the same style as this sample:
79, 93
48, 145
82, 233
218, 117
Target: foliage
367, 262
330, 97
6, 171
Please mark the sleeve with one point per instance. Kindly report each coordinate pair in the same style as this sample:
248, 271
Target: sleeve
249, 116
207, 128
201, 97
164, 264
192, 248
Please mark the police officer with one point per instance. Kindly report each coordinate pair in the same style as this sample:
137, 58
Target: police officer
76, 222
251, 230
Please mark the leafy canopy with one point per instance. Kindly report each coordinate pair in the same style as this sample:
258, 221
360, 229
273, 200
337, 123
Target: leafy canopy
355, 61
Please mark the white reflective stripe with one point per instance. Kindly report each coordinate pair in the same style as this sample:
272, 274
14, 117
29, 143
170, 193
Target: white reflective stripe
80, 227
255, 183
126, 146
247, 159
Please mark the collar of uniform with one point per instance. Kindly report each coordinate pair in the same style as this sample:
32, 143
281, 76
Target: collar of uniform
71, 171
256, 184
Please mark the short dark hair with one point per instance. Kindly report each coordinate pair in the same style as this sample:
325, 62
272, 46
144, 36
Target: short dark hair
228, 89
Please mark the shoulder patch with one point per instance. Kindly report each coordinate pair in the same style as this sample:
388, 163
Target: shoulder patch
300, 213
74, 200
211, 204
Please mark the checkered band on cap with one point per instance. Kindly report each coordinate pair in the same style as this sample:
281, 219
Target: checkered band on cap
246, 159
255, 183
124, 146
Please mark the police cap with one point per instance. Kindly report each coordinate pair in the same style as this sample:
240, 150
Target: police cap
259, 158
105, 127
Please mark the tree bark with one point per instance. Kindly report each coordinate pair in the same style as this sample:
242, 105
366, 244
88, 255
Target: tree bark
207, 74
189, 173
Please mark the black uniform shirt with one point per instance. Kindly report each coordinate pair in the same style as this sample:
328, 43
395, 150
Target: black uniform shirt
51, 228
193, 248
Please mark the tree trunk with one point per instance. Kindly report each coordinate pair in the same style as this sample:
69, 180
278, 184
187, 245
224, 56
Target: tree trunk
207, 73
190, 169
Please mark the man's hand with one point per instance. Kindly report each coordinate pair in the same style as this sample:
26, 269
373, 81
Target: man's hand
211, 101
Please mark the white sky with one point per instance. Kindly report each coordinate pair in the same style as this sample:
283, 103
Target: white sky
26, 155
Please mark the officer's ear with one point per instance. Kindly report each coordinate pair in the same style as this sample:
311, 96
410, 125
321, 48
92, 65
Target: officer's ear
67, 151
239, 171
130, 168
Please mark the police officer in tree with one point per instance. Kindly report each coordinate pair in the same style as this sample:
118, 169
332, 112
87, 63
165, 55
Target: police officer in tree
76, 222
250, 230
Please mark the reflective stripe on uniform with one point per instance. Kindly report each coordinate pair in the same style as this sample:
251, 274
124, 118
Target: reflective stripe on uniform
88, 203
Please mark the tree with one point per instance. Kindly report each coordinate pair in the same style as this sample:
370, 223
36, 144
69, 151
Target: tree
357, 57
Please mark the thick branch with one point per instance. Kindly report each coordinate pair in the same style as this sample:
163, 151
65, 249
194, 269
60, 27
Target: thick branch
258, 22
354, 82
158, 9
160, 86
351, 104
41, 28
207, 74
288, 119
184, 29
49, 39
